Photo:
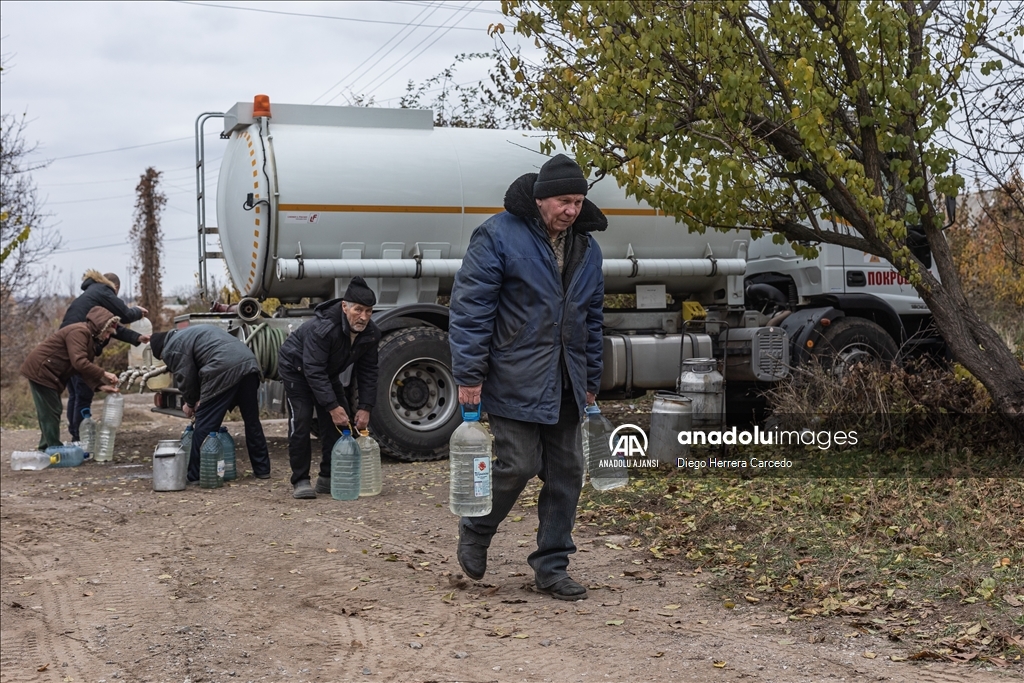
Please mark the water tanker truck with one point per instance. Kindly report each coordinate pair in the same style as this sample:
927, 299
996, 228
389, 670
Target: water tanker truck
310, 196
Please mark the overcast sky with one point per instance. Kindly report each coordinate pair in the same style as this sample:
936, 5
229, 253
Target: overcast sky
96, 77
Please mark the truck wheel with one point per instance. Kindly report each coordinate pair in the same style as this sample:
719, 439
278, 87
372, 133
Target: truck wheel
849, 341
417, 400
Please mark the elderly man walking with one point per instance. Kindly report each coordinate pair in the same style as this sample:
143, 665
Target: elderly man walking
525, 333
215, 372
311, 361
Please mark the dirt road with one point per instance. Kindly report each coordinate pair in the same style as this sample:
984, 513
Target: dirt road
105, 580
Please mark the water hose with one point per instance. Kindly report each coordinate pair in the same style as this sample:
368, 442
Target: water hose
265, 342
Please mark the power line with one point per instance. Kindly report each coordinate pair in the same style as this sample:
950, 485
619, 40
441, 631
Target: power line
420, 4
371, 56
313, 16
414, 57
120, 149
113, 244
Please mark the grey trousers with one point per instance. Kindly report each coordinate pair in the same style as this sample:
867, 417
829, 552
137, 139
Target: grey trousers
554, 453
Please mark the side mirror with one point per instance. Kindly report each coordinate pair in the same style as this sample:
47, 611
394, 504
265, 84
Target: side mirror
950, 210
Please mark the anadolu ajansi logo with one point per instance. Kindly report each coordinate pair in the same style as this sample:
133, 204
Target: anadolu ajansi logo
629, 442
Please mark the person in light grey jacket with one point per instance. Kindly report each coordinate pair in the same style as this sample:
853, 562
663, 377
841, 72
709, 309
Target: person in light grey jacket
215, 372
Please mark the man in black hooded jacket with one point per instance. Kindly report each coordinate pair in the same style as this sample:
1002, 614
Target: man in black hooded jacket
98, 289
310, 362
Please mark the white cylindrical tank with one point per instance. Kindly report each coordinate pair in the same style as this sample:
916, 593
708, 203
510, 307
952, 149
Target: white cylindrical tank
332, 183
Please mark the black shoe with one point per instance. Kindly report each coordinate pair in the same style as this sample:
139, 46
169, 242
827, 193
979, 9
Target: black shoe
263, 476
303, 490
472, 557
564, 589
323, 485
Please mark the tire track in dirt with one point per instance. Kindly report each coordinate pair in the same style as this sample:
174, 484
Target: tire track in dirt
60, 641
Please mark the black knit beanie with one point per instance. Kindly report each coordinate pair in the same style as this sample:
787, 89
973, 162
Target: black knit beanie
560, 175
156, 344
358, 292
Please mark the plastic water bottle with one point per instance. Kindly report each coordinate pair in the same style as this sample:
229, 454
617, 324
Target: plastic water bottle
606, 472
211, 463
87, 432
186, 438
70, 456
227, 444
370, 480
105, 437
469, 463
346, 468
113, 410
32, 460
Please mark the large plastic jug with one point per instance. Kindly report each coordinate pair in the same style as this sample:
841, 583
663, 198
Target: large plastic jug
227, 444
113, 410
32, 460
186, 438
87, 432
346, 468
105, 438
469, 462
211, 463
605, 471
70, 456
371, 479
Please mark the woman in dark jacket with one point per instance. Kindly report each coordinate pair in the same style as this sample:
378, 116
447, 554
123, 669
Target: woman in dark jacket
98, 289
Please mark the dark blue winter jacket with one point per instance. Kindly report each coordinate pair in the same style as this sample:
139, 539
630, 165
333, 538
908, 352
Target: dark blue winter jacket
515, 318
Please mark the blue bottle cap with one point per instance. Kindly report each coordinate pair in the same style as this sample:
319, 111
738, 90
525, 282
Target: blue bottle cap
213, 434
345, 432
86, 413
470, 412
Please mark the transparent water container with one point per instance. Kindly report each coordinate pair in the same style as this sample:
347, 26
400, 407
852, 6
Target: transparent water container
186, 438
105, 438
113, 410
87, 432
227, 443
469, 463
70, 455
211, 463
371, 478
32, 460
346, 468
606, 472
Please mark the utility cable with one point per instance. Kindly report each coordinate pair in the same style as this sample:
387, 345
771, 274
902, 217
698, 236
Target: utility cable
414, 57
372, 55
312, 16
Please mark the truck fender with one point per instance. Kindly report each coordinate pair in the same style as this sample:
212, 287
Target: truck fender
866, 306
413, 315
803, 327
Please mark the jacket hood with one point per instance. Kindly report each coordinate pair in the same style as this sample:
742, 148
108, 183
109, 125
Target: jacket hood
99, 319
92, 277
329, 309
519, 202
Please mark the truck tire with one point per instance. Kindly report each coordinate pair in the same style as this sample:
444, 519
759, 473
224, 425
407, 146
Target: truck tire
849, 341
417, 399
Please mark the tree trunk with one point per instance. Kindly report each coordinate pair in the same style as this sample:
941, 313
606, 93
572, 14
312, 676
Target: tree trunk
973, 343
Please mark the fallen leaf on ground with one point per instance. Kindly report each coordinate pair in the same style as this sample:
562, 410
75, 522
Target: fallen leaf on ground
868, 654
43, 667
718, 664
332, 550
614, 622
